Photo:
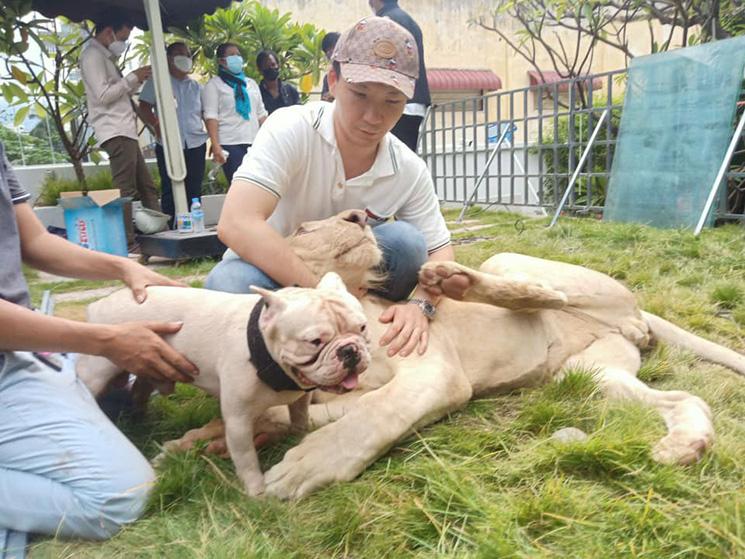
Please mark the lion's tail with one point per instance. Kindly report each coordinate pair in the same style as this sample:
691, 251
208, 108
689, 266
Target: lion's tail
672, 334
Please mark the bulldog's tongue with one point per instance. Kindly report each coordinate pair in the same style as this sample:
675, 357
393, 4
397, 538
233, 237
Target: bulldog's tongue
350, 382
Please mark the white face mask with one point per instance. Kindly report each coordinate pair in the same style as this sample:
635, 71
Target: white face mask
117, 48
183, 63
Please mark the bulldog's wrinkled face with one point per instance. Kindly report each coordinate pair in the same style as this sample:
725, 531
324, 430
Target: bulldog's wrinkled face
344, 244
318, 336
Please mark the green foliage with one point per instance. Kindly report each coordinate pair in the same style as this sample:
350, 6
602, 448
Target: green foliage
588, 191
254, 27
53, 185
33, 150
48, 88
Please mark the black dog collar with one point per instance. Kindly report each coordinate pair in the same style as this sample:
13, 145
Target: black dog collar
267, 369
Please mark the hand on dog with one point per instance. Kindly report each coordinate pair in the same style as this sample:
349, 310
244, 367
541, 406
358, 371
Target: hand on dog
138, 277
137, 347
408, 330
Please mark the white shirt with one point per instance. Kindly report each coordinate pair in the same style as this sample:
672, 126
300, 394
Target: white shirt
218, 102
295, 157
107, 93
188, 97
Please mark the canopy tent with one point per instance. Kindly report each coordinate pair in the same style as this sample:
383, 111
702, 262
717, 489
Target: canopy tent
156, 16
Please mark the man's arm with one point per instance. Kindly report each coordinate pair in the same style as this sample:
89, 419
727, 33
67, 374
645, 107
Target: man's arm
98, 87
244, 229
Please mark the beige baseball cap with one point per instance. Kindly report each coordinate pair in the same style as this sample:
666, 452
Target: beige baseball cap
377, 49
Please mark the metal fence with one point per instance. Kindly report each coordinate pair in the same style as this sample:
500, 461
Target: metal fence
518, 149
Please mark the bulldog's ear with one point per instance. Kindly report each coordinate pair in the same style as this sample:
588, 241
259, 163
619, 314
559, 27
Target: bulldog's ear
274, 305
333, 281
271, 299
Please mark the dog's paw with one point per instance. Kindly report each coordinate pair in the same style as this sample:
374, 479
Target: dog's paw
316, 462
254, 484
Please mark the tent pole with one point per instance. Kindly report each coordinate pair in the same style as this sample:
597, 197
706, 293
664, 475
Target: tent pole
169, 131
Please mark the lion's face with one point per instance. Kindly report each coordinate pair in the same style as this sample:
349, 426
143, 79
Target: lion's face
344, 244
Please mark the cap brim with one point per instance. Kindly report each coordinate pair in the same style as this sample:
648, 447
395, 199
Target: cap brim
361, 73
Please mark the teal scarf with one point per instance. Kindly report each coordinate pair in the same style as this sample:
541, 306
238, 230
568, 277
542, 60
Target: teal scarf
238, 83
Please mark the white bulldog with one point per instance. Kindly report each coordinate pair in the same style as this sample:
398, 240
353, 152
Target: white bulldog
252, 351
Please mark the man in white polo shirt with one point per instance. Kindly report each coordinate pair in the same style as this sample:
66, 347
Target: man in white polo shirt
312, 161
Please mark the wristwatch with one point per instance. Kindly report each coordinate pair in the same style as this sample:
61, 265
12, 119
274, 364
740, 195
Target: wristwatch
427, 308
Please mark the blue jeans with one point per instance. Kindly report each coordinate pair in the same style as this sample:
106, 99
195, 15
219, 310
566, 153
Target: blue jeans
404, 252
65, 469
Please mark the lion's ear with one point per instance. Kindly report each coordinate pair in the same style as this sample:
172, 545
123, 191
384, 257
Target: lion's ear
332, 281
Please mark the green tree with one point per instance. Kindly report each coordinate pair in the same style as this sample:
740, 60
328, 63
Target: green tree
254, 27
44, 79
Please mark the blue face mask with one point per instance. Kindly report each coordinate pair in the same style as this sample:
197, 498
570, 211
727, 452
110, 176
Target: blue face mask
234, 63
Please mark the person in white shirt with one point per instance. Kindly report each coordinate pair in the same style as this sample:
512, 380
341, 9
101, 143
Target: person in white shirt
233, 110
110, 111
311, 161
188, 96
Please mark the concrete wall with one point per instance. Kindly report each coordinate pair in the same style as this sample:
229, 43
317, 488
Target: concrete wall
451, 41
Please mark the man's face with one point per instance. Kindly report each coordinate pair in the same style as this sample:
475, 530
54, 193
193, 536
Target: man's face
109, 35
178, 50
366, 111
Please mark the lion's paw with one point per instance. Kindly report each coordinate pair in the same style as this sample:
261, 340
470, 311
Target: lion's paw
316, 462
682, 448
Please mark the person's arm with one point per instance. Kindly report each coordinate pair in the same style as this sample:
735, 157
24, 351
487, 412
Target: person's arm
147, 108
261, 112
134, 346
243, 228
408, 328
106, 92
53, 254
211, 113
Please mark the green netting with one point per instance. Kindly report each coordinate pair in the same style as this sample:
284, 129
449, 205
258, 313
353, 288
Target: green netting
677, 123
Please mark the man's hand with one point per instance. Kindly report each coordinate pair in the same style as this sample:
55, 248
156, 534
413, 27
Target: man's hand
138, 348
143, 73
408, 330
138, 277
218, 154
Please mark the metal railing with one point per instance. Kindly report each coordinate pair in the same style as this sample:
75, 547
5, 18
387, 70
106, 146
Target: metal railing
520, 148
531, 139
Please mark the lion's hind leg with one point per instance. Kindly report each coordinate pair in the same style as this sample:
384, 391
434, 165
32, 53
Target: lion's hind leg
614, 362
463, 283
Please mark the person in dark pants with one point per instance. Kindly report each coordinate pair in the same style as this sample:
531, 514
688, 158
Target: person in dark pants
188, 94
274, 92
328, 44
407, 128
108, 97
233, 110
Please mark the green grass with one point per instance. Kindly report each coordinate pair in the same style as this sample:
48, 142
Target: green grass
488, 481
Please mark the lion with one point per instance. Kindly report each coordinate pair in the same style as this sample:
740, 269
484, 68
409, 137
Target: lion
522, 321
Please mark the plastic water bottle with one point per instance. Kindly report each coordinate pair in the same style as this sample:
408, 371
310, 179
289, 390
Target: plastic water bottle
197, 215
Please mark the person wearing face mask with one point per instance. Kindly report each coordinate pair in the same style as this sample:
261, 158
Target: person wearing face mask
188, 96
275, 93
233, 110
111, 112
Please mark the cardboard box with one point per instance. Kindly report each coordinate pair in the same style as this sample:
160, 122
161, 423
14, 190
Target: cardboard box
96, 221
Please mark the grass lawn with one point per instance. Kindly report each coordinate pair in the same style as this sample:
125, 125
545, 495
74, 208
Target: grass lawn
488, 482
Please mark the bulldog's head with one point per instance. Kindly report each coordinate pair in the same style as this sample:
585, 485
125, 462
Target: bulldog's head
318, 336
344, 244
